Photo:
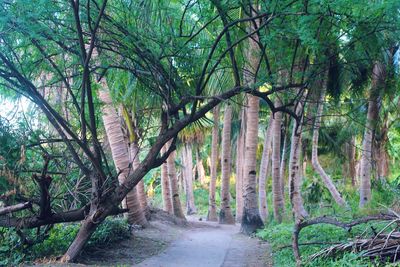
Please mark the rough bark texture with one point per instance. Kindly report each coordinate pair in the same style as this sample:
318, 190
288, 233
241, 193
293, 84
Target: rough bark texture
225, 214
187, 158
263, 174
278, 200
314, 158
173, 180
165, 188
212, 206
120, 154
239, 168
295, 172
251, 217
378, 78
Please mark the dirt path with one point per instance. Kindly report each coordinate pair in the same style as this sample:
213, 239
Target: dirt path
206, 244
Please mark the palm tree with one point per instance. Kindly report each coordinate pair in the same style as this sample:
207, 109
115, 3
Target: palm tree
173, 180
212, 209
278, 199
187, 162
165, 187
240, 147
119, 151
294, 167
262, 177
378, 79
314, 157
225, 215
251, 217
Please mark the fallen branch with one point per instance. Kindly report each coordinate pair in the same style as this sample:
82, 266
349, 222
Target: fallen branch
14, 208
333, 221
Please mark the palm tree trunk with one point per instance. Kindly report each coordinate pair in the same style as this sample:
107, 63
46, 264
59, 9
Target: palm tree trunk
201, 174
212, 206
295, 172
120, 154
251, 216
282, 167
265, 158
165, 188
188, 177
378, 79
173, 180
225, 215
239, 168
314, 158
278, 199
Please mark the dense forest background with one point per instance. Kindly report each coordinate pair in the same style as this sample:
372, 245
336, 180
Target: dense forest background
278, 115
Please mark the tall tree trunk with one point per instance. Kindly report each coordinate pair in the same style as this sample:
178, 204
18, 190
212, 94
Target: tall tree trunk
173, 180
120, 154
239, 168
188, 177
201, 173
263, 174
278, 200
314, 158
212, 206
251, 217
282, 167
295, 172
382, 156
165, 188
352, 161
225, 214
378, 80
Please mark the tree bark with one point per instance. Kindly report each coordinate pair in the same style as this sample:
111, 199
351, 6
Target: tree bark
188, 177
201, 173
173, 180
295, 172
263, 174
225, 215
314, 158
165, 188
378, 80
240, 145
251, 220
212, 206
282, 167
278, 199
120, 154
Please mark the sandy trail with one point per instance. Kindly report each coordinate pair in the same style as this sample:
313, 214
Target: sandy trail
207, 244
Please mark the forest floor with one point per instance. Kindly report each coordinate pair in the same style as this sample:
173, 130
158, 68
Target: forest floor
168, 242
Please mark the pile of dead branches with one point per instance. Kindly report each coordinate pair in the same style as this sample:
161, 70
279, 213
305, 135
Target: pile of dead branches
383, 245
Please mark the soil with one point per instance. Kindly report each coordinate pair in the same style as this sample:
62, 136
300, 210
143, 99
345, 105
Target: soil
171, 242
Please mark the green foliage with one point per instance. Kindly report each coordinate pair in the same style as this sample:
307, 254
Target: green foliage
13, 251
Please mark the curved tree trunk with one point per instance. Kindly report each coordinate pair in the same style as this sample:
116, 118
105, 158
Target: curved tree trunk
378, 76
188, 177
239, 168
295, 172
212, 206
120, 154
251, 216
225, 215
314, 158
262, 177
173, 180
165, 188
278, 199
